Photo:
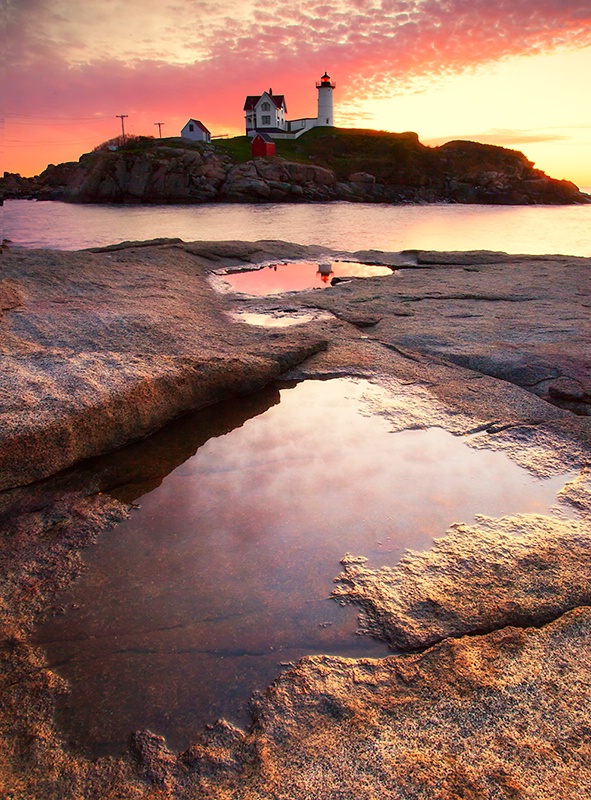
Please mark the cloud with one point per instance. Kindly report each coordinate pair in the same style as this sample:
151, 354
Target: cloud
94, 30
377, 42
505, 137
70, 59
387, 38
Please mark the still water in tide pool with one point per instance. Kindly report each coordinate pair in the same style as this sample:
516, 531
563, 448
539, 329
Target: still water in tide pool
223, 573
289, 276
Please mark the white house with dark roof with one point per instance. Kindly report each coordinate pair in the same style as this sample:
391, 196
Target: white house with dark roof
267, 113
196, 130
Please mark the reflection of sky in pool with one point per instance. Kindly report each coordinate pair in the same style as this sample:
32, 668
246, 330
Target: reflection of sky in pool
224, 572
297, 275
277, 319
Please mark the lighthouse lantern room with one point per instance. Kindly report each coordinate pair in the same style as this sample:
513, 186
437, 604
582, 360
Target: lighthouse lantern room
325, 88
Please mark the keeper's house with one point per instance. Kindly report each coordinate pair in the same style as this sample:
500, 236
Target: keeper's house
266, 113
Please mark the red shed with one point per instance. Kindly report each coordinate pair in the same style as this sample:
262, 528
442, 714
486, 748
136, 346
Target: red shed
263, 145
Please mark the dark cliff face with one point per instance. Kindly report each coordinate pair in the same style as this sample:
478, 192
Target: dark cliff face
480, 173
355, 166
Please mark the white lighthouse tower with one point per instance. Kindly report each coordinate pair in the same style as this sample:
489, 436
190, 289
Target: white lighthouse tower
325, 89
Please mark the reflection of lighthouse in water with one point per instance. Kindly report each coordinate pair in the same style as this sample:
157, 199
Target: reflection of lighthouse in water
325, 271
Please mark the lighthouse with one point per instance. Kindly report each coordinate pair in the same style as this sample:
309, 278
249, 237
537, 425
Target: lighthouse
325, 89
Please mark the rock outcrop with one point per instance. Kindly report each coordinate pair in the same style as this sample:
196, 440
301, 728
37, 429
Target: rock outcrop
277, 180
493, 703
461, 172
540, 568
108, 347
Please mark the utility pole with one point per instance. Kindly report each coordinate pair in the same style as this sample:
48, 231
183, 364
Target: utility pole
122, 117
160, 124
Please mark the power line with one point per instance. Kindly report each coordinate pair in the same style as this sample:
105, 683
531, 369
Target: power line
60, 120
94, 119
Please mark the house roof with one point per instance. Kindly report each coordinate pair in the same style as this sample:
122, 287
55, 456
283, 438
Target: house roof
252, 99
199, 125
264, 136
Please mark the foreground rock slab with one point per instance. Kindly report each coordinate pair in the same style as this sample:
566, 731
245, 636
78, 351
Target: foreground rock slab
101, 348
495, 701
524, 571
498, 716
522, 319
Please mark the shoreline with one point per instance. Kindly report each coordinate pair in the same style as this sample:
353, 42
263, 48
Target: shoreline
103, 346
363, 227
326, 164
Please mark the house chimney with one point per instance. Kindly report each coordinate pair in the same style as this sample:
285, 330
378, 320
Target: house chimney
271, 91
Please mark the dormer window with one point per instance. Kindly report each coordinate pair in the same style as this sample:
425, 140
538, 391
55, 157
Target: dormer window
265, 106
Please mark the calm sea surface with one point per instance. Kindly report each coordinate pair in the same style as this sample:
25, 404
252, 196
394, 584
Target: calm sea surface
346, 226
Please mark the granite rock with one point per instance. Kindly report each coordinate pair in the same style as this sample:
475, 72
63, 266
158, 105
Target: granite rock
100, 347
106, 347
182, 172
540, 567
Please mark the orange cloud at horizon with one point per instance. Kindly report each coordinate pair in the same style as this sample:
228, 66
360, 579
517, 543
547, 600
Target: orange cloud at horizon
444, 69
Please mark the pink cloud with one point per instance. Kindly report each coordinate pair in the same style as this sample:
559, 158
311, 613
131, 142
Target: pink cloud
373, 49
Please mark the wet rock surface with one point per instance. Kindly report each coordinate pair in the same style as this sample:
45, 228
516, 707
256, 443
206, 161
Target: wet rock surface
100, 348
523, 320
539, 567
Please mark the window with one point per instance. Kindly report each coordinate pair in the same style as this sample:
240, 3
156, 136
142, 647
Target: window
191, 128
265, 106
266, 120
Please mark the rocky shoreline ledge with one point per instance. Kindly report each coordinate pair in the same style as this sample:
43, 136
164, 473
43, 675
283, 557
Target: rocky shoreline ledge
347, 166
489, 696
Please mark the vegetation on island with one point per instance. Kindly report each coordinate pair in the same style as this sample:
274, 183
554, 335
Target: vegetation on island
130, 141
344, 150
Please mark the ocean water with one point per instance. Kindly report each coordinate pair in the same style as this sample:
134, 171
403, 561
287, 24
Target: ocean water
342, 226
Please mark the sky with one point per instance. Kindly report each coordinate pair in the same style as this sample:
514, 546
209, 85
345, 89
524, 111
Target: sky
508, 72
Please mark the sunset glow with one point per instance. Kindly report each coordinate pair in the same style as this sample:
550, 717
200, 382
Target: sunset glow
514, 74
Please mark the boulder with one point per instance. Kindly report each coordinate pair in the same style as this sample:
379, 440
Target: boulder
362, 177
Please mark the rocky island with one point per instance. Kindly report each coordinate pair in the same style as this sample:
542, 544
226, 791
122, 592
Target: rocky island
487, 691
324, 164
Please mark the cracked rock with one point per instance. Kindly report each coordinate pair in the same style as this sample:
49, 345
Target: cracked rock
524, 570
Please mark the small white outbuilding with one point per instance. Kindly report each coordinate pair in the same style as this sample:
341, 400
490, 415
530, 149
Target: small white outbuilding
196, 130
